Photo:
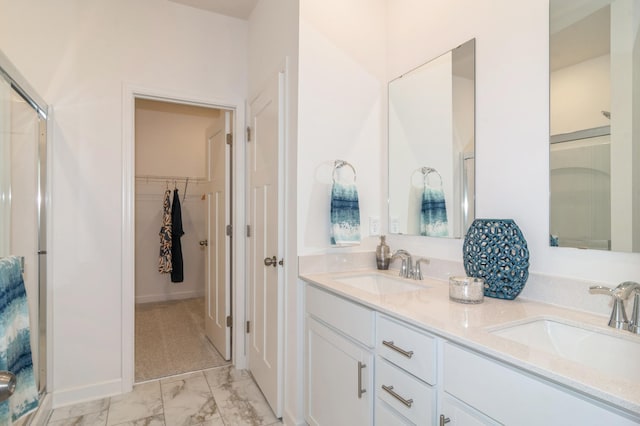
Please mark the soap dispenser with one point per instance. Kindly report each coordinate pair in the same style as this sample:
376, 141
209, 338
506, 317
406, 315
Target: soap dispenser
383, 254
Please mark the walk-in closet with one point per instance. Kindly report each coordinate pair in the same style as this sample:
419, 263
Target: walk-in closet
173, 167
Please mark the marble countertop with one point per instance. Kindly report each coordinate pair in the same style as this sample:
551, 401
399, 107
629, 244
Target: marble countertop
470, 325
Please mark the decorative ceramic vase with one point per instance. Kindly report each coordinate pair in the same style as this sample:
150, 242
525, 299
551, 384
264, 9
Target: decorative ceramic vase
496, 250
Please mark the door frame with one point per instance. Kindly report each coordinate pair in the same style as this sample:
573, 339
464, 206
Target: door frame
130, 93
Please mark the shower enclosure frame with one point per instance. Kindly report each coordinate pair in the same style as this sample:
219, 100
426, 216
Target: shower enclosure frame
43, 200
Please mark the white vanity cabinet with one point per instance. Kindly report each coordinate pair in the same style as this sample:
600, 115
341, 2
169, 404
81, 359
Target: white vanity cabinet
339, 337
405, 373
501, 394
363, 367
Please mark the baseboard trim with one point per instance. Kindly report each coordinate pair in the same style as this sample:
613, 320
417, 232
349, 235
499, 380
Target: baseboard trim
86, 393
288, 419
167, 297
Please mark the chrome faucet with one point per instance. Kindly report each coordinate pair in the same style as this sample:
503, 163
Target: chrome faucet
406, 268
618, 317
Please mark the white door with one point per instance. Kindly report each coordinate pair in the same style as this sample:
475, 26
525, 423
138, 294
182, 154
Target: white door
265, 250
218, 283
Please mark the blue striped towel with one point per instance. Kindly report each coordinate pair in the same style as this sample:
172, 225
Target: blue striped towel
345, 215
15, 344
433, 213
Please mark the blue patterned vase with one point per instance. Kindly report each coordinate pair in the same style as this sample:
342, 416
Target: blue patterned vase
496, 250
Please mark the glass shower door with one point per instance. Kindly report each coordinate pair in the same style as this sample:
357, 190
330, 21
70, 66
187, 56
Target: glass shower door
22, 200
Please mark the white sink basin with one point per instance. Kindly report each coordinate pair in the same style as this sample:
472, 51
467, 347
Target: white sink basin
378, 284
613, 355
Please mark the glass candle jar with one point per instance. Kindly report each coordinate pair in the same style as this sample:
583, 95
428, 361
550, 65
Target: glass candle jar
466, 289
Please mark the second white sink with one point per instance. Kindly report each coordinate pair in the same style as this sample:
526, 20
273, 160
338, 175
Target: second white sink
607, 353
378, 284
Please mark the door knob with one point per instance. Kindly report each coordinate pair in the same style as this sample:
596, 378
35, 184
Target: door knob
271, 261
7, 384
204, 243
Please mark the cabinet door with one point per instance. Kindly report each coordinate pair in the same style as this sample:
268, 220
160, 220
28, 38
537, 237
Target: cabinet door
339, 378
460, 414
514, 397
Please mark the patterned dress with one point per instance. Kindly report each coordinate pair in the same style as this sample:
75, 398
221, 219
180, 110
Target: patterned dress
164, 262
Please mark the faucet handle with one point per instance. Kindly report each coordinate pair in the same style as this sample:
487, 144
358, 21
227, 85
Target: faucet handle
634, 327
417, 272
618, 317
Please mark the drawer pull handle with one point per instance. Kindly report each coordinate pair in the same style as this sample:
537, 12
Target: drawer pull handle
389, 389
360, 390
444, 420
390, 344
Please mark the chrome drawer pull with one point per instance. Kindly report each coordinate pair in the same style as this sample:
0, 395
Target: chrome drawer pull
389, 389
390, 344
360, 390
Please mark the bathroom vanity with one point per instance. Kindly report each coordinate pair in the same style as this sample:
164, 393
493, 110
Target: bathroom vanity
384, 350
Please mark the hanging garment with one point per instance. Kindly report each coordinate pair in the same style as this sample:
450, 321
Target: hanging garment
177, 274
15, 344
164, 262
345, 215
433, 214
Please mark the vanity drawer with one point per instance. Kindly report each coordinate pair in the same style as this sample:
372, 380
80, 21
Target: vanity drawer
419, 398
385, 416
407, 347
349, 318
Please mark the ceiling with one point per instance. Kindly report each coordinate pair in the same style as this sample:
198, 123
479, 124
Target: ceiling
236, 8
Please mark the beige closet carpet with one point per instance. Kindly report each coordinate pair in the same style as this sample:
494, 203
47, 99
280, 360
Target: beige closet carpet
170, 339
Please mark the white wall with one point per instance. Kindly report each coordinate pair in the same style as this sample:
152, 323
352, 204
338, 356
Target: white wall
342, 91
77, 55
171, 138
578, 94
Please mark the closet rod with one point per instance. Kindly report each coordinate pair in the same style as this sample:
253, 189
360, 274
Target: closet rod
157, 178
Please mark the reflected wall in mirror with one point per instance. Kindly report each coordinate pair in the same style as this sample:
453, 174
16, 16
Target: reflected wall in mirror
432, 146
594, 59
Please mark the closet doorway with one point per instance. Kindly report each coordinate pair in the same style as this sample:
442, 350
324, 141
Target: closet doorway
182, 191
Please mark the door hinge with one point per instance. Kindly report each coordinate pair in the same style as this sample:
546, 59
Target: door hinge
229, 231
248, 134
229, 321
229, 139
248, 327
248, 231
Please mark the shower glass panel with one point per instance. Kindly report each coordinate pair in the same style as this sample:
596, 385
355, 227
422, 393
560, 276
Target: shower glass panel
23, 125
580, 164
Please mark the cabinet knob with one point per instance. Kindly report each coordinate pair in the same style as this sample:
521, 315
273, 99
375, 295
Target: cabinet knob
444, 420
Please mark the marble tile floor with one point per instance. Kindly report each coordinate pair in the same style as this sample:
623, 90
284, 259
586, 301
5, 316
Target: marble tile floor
221, 396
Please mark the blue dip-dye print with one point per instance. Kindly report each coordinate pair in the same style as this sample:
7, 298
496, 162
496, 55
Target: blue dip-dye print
345, 215
433, 213
15, 344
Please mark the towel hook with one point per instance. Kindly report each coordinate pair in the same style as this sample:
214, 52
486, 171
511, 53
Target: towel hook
341, 163
426, 171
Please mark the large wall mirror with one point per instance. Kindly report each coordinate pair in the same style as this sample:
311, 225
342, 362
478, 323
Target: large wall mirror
595, 124
432, 146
